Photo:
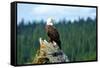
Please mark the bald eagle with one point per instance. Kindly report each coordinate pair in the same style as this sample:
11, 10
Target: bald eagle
52, 32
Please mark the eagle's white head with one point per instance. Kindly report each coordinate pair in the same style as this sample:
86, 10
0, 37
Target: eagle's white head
50, 21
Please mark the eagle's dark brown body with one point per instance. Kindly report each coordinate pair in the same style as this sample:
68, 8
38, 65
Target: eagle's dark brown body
53, 35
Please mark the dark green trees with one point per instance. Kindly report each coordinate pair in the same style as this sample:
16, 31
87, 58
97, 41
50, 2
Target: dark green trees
78, 39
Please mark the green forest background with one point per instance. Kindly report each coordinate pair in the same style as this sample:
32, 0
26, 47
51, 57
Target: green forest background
78, 39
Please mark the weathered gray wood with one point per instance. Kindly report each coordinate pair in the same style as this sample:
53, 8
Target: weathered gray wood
49, 53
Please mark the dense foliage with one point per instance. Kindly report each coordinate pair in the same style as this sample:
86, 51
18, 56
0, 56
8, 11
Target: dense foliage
78, 39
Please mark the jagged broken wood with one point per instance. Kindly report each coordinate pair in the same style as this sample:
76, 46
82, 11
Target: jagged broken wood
49, 53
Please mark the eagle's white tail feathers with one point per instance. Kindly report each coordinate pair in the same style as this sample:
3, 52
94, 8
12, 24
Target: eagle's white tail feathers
45, 42
54, 43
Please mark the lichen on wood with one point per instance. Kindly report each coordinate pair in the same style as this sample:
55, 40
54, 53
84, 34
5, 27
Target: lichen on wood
49, 53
